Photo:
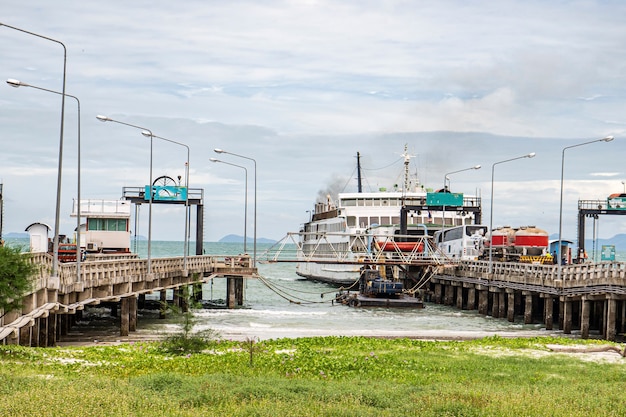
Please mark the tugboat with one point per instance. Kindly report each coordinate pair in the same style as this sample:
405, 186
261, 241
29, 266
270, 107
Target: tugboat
376, 291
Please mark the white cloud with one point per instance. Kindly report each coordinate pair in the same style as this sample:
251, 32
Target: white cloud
301, 86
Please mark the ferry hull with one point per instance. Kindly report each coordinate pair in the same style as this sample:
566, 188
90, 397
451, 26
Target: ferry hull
335, 274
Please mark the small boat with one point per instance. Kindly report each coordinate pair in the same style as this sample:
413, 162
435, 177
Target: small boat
376, 291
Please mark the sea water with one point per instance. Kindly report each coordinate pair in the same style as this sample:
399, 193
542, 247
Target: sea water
282, 304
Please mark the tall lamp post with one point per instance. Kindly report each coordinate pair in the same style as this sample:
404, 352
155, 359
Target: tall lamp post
255, 199
149, 134
445, 177
530, 155
16, 84
57, 216
108, 119
245, 213
559, 244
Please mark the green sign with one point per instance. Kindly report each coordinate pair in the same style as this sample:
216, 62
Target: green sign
444, 199
608, 253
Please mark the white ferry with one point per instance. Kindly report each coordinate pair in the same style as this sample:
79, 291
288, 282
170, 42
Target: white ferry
338, 235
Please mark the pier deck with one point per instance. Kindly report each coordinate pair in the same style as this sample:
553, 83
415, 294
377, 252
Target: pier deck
48, 311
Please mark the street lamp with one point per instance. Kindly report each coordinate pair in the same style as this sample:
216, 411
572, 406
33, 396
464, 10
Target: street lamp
16, 84
57, 216
530, 155
149, 134
245, 215
108, 119
445, 177
558, 254
255, 199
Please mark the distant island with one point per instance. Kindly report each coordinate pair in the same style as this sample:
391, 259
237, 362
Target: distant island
239, 239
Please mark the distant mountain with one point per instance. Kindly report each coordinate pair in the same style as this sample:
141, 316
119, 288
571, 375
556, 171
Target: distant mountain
239, 239
16, 235
619, 241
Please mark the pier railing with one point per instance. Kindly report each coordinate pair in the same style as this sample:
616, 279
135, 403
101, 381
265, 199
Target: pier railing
575, 279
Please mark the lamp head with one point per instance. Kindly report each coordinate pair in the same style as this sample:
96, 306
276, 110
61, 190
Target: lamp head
103, 118
476, 167
606, 139
214, 160
531, 155
217, 150
14, 83
147, 133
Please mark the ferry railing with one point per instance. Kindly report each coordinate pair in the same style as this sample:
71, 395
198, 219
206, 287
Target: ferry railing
339, 247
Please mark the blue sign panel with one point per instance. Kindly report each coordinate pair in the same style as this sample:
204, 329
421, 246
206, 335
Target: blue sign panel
166, 193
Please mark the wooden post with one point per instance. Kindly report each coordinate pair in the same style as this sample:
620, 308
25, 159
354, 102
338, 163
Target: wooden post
548, 308
448, 292
584, 318
43, 332
437, 293
528, 308
495, 305
483, 302
510, 316
501, 305
132, 314
471, 298
230, 292
623, 324
459, 297
163, 307
567, 316
24, 336
239, 289
52, 330
611, 316
124, 317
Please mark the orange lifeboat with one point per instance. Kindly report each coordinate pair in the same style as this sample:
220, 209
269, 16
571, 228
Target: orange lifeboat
390, 246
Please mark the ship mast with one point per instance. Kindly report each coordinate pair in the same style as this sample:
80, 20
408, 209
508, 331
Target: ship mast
407, 174
358, 172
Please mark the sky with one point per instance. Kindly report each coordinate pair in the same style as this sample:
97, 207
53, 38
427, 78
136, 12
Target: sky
301, 86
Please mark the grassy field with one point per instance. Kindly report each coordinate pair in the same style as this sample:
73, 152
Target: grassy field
329, 376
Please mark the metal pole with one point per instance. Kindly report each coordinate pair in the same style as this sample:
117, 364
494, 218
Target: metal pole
255, 195
150, 187
185, 250
16, 84
445, 177
559, 243
57, 217
530, 155
245, 215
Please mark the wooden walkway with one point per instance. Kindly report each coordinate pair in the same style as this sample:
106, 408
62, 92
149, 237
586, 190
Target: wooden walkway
49, 310
590, 298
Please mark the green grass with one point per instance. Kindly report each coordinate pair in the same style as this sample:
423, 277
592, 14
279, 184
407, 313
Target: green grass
330, 376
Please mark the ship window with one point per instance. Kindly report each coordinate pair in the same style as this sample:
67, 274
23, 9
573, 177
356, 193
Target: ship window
374, 220
384, 220
363, 221
395, 220
351, 221
369, 202
348, 202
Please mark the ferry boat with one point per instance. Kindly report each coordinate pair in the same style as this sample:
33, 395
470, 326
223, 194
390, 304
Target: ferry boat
339, 234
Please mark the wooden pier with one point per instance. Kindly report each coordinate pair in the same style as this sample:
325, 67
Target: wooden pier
589, 298
49, 311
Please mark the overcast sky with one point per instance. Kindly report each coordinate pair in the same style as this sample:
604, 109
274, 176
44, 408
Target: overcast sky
301, 87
